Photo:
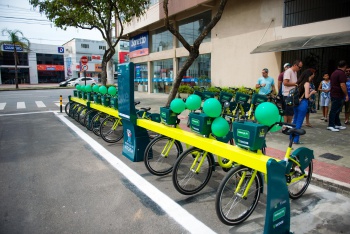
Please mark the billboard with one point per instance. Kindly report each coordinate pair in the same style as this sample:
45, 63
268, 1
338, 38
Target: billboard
139, 45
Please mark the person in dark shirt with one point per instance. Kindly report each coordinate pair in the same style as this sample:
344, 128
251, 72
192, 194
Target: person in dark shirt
338, 93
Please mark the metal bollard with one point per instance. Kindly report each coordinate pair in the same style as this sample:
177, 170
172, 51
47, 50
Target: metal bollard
61, 103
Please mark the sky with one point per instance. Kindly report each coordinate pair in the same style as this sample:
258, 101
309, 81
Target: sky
19, 14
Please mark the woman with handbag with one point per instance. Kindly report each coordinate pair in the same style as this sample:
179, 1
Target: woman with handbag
305, 93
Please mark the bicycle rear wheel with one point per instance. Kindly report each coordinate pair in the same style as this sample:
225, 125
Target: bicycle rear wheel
111, 129
298, 188
230, 205
161, 154
187, 179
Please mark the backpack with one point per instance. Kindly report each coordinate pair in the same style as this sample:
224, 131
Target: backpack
293, 97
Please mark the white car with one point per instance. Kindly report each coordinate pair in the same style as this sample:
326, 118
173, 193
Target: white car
81, 81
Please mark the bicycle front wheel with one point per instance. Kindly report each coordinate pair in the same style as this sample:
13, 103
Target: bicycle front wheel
235, 201
111, 129
302, 180
96, 122
192, 171
161, 154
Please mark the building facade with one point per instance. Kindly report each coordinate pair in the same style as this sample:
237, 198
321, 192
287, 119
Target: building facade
75, 49
42, 64
251, 35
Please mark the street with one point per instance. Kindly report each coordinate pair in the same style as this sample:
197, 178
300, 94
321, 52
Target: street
57, 177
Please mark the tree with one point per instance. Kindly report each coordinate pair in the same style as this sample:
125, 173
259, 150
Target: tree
192, 49
96, 14
17, 40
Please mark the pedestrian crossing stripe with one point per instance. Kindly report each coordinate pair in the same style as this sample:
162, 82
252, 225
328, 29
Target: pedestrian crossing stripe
2, 106
40, 104
22, 105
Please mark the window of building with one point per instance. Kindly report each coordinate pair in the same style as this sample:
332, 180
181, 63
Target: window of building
124, 45
199, 72
298, 12
190, 28
141, 77
85, 46
102, 47
162, 76
7, 58
50, 59
162, 39
8, 75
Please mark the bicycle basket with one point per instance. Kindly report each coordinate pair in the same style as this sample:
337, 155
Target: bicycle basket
258, 98
114, 103
224, 96
249, 135
200, 123
242, 98
167, 116
105, 100
97, 98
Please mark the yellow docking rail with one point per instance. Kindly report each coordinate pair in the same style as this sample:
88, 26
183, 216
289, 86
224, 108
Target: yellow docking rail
238, 155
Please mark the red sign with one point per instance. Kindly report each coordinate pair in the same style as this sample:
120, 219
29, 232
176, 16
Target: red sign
43, 67
84, 60
95, 57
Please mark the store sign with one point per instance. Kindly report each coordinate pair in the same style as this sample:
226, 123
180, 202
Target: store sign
60, 49
50, 67
139, 45
98, 67
123, 57
95, 57
9, 47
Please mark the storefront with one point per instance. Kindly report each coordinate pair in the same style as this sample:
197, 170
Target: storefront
141, 77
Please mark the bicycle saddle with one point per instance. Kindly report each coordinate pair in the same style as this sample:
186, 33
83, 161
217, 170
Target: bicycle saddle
296, 132
145, 108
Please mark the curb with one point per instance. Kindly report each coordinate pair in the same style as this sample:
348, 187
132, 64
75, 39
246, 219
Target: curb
331, 185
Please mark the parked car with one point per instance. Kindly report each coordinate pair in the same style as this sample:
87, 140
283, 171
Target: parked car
81, 81
64, 83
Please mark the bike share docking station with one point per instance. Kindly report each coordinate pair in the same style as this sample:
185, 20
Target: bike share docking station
277, 218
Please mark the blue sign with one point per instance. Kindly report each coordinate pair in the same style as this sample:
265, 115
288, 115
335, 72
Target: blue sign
9, 47
60, 49
139, 45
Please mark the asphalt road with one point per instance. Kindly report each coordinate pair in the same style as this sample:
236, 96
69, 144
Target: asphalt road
57, 177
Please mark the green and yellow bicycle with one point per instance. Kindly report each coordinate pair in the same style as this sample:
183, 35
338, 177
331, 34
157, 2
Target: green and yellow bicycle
239, 191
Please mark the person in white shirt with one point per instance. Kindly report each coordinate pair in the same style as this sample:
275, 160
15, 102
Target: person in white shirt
289, 82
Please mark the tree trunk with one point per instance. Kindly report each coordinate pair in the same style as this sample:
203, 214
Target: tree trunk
182, 72
192, 49
104, 73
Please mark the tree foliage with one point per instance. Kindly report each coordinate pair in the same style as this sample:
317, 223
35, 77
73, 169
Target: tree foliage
192, 49
96, 14
15, 38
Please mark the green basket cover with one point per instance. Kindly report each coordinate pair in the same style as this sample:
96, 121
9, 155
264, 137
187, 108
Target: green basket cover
167, 116
200, 123
249, 135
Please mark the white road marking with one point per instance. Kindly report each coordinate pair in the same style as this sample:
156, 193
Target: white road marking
40, 104
21, 105
58, 104
2, 105
28, 113
174, 210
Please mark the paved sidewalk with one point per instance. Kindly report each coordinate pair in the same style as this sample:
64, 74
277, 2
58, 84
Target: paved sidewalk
331, 149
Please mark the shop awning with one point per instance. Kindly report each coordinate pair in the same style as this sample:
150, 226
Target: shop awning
307, 42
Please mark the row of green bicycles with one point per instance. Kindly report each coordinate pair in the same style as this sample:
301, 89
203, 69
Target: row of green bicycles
242, 120
239, 119
108, 127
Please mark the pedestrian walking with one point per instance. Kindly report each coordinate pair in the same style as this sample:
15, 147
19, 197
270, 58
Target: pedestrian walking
338, 93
